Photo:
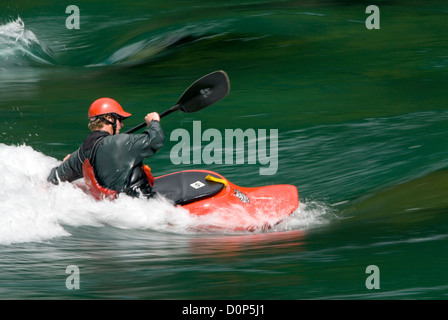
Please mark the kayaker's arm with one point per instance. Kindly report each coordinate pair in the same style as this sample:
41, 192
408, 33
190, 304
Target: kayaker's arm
152, 139
70, 170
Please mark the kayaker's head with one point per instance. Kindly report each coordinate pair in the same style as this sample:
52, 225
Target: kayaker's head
107, 114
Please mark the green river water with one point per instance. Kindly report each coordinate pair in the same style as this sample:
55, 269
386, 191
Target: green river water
362, 119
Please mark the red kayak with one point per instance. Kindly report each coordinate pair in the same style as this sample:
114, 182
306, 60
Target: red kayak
208, 195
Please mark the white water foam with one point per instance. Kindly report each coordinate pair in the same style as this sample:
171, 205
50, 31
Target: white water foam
18, 45
308, 215
31, 209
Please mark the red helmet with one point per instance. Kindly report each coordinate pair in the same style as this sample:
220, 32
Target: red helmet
105, 106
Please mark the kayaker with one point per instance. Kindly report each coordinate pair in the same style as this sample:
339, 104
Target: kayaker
116, 158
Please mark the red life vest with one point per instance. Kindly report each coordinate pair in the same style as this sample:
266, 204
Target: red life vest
99, 192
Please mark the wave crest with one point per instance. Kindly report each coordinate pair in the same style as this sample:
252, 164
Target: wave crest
20, 46
155, 44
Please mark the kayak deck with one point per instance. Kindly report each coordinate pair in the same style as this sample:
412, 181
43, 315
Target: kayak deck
231, 206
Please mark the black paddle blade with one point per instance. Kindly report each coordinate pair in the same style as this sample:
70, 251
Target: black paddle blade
204, 92
201, 94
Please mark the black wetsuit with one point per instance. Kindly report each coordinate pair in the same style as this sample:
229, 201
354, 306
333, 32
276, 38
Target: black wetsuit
117, 161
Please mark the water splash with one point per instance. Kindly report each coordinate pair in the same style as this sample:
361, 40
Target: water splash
31, 209
20, 46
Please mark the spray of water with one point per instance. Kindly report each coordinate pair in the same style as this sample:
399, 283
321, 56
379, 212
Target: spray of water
20, 46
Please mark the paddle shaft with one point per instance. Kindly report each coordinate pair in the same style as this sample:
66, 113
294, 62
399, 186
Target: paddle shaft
143, 124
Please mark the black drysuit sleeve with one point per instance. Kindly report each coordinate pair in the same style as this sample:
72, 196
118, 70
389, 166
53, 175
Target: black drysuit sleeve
70, 170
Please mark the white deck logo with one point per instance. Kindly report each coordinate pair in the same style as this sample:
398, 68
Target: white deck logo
197, 184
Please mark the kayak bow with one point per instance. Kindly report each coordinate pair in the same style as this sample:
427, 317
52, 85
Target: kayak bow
206, 193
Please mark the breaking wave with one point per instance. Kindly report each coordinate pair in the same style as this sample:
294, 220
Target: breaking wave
126, 45
21, 47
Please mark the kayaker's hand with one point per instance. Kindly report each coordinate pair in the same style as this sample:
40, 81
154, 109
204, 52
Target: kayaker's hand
152, 116
53, 176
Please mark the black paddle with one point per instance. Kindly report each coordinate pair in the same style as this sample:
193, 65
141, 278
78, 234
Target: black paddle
201, 94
